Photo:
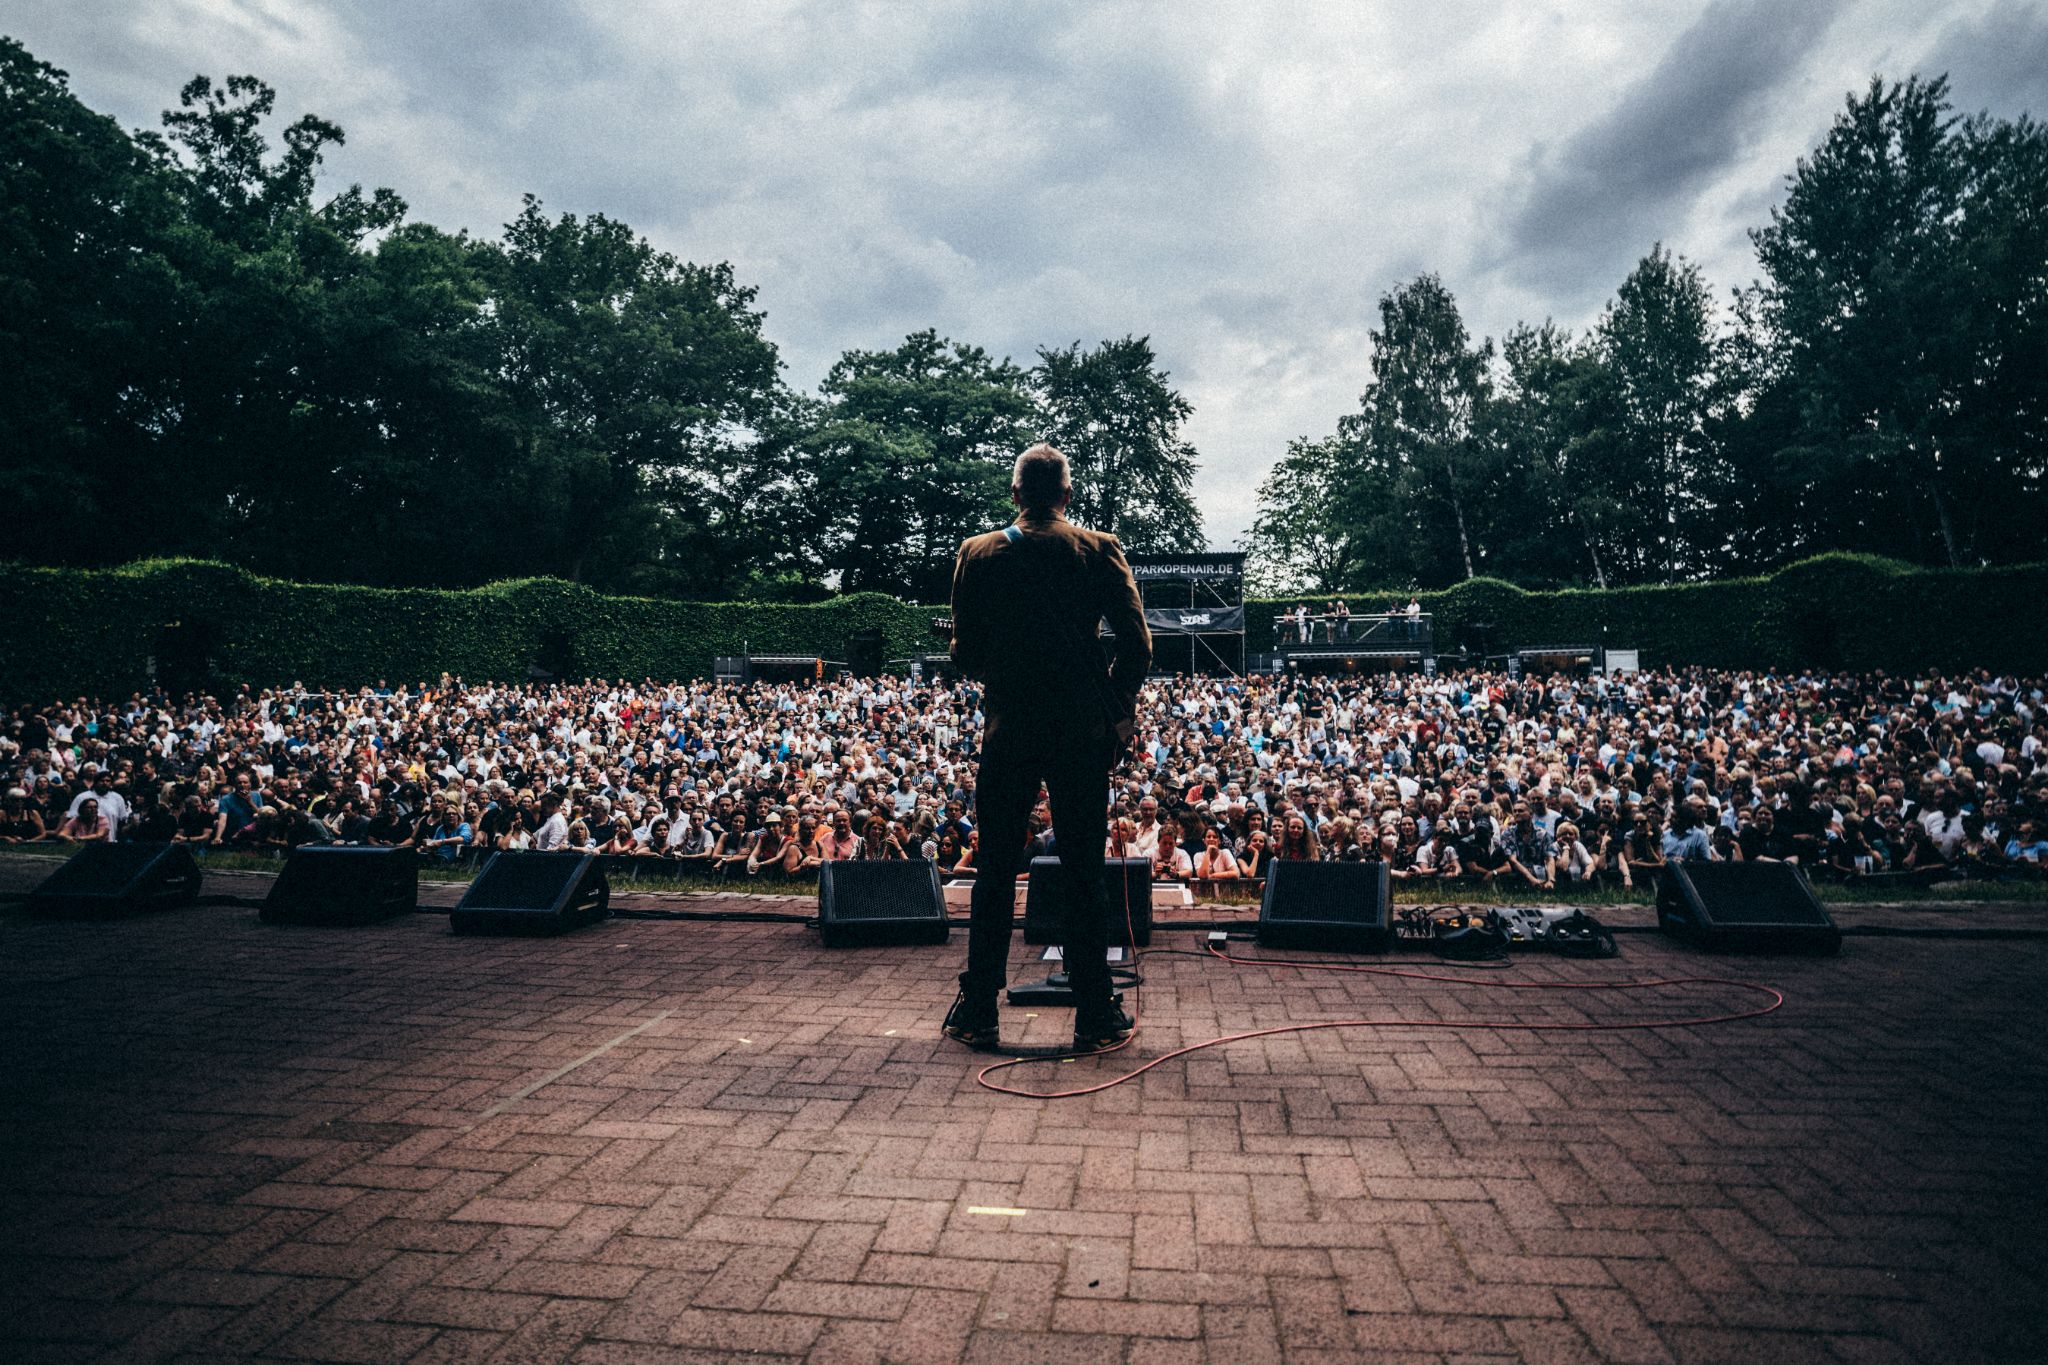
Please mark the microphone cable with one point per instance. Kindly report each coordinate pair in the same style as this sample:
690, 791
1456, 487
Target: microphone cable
1775, 1001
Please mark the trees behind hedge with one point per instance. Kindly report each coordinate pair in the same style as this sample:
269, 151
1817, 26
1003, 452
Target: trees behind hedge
1883, 388
208, 356
72, 632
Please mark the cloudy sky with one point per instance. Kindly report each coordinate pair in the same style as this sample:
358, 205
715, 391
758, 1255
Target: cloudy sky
1239, 181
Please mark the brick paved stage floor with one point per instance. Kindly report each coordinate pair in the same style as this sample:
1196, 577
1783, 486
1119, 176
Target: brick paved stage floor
658, 1140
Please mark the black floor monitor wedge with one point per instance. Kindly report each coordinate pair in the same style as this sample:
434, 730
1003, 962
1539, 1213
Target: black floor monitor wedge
336, 884
1126, 882
1745, 907
106, 881
1327, 907
534, 893
883, 900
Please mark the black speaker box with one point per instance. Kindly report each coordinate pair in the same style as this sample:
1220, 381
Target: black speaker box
332, 884
1328, 907
534, 893
865, 902
106, 881
1748, 907
1126, 882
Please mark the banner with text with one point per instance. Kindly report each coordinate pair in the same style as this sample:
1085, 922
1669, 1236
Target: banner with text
1195, 620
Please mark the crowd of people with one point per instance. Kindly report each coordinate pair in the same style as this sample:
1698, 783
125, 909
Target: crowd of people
1474, 777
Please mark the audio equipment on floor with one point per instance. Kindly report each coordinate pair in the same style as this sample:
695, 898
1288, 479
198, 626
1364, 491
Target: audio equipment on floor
1327, 907
866, 902
1750, 907
1566, 930
1126, 884
534, 893
105, 881
343, 884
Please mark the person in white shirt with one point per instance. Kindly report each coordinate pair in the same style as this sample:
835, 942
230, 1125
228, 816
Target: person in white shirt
1214, 863
1438, 857
1172, 864
1944, 824
111, 803
1145, 840
554, 826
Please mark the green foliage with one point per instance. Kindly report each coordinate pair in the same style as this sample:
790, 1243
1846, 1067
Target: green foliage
209, 355
71, 631
1655, 341
1884, 388
1302, 537
1859, 612
1417, 453
912, 455
1902, 315
65, 632
1111, 411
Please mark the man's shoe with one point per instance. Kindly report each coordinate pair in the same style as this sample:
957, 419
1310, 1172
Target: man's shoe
972, 1022
1097, 1030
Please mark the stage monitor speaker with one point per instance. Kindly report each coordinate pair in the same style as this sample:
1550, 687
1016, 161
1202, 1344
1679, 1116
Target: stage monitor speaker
106, 881
1328, 907
336, 884
1748, 907
866, 902
1126, 882
534, 893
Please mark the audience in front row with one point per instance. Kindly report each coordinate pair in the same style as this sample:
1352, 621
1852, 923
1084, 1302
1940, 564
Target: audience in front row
1534, 783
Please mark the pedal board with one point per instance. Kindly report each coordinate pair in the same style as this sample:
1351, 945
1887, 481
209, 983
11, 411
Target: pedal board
1557, 927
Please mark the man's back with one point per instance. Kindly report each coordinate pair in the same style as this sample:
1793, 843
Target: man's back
1025, 609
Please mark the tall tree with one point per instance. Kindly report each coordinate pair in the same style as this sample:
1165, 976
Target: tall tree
2005, 421
89, 289
1119, 421
1420, 418
1571, 496
1302, 540
623, 366
1867, 292
1656, 341
912, 455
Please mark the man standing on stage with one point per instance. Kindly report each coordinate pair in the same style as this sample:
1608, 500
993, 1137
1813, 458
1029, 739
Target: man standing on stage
1026, 604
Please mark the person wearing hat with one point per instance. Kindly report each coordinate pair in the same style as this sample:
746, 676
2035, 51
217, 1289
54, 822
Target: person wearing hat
20, 821
768, 851
1027, 604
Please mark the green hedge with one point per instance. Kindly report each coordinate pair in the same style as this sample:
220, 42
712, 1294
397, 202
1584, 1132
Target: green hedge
1857, 612
72, 631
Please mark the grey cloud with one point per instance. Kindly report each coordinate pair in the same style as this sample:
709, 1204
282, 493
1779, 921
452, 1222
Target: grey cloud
1599, 200
498, 60
1998, 63
1239, 183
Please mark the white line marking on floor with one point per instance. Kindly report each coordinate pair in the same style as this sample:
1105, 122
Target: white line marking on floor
502, 1105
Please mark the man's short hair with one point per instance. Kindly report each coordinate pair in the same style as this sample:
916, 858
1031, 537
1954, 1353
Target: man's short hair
1041, 476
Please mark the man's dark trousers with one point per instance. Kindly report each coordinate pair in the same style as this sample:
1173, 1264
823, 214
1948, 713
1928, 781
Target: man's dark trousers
1005, 792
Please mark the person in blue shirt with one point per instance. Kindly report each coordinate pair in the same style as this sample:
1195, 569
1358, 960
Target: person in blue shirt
1686, 840
2026, 846
237, 809
449, 835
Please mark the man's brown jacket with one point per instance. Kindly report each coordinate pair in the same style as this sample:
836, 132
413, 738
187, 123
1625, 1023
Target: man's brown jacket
1025, 613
